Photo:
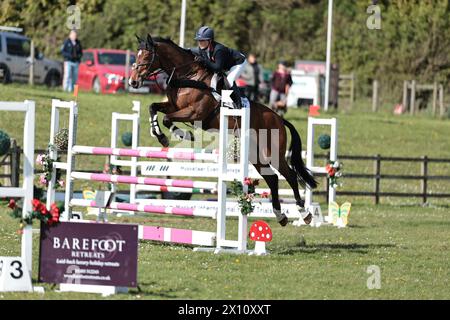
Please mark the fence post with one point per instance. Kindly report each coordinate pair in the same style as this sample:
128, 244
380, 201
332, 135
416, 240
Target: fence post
375, 96
352, 90
441, 100
327, 181
424, 179
127, 69
15, 164
413, 98
405, 95
6, 168
32, 60
377, 169
435, 95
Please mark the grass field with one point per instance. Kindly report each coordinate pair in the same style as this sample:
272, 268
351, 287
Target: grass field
407, 241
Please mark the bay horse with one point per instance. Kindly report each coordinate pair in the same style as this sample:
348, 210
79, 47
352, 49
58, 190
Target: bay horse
190, 100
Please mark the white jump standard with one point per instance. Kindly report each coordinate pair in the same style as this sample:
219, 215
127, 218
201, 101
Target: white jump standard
16, 271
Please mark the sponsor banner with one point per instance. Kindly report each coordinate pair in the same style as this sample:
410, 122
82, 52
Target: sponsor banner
89, 253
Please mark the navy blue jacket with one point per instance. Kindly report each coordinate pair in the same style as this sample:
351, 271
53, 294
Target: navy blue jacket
71, 52
220, 58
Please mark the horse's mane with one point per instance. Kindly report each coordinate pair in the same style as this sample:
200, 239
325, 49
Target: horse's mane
180, 49
173, 44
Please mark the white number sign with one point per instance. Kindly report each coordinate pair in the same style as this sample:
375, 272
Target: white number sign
14, 275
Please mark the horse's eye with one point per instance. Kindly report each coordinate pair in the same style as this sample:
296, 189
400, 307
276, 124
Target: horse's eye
134, 66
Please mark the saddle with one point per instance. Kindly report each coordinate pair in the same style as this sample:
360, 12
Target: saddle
219, 82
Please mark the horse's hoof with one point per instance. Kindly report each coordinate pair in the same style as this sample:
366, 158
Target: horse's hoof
164, 141
284, 221
189, 136
308, 218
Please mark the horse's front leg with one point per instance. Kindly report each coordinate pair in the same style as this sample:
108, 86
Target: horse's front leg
155, 130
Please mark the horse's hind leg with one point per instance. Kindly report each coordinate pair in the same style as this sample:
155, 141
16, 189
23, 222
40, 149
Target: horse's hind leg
180, 134
272, 181
291, 177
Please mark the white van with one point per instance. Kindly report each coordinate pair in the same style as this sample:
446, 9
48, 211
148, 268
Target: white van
15, 62
306, 89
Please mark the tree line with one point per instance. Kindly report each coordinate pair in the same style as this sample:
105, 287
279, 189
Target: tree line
413, 41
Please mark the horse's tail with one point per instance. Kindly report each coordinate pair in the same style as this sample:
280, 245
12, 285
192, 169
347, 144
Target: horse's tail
303, 174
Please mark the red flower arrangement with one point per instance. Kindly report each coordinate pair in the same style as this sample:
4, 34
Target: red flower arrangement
265, 194
245, 200
333, 169
39, 211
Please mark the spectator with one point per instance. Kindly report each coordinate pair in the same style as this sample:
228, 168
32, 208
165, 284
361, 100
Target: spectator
72, 53
253, 76
280, 84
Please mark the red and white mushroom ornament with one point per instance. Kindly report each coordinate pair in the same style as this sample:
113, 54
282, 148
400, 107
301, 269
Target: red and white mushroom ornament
261, 233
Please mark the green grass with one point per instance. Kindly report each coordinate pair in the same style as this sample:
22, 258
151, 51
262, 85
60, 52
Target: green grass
409, 244
407, 241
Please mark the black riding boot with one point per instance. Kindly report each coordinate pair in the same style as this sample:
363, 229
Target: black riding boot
236, 96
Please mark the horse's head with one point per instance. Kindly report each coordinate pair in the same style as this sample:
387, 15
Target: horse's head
147, 61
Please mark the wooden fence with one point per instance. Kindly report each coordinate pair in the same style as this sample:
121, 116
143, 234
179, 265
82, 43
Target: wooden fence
411, 89
347, 88
9, 166
377, 176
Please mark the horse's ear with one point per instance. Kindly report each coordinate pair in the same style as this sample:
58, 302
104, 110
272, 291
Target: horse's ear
150, 40
138, 39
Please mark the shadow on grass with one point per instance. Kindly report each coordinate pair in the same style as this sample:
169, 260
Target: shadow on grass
166, 293
416, 205
422, 223
378, 120
333, 248
356, 226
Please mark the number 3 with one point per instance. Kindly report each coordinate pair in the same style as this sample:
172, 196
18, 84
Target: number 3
19, 269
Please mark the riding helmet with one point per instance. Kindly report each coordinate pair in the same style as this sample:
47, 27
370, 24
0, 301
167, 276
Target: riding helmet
204, 33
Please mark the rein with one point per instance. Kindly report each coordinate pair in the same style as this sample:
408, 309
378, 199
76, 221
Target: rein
158, 71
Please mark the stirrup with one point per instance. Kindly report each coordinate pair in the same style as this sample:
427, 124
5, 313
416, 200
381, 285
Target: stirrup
216, 96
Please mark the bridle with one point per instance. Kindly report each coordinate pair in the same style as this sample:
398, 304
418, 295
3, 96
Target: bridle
149, 74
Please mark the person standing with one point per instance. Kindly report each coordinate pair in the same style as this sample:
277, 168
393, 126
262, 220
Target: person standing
253, 76
280, 84
72, 53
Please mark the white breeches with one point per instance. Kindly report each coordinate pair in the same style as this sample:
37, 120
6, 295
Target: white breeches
235, 72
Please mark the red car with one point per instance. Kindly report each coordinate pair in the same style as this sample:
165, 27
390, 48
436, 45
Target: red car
103, 71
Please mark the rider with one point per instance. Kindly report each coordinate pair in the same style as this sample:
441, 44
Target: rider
218, 58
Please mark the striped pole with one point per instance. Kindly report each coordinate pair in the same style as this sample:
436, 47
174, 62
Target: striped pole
174, 189
140, 208
208, 209
151, 153
185, 236
144, 181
